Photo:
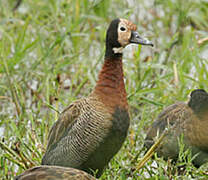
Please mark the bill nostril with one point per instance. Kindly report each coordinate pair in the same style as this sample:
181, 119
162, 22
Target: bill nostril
137, 36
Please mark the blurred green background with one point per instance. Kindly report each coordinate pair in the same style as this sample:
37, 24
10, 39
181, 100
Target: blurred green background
51, 52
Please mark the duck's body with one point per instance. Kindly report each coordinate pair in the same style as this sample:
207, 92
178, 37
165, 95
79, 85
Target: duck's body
92, 130
54, 173
187, 122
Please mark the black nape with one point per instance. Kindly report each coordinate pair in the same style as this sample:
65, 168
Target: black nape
112, 40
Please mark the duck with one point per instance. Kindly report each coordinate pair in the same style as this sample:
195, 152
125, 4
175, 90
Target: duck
188, 121
91, 130
54, 173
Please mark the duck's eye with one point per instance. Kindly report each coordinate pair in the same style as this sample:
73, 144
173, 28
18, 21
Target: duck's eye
123, 29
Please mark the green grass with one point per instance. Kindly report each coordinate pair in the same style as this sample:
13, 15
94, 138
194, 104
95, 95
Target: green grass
51, 53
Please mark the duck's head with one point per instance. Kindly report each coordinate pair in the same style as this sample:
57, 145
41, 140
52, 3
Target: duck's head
199, 101
120, 33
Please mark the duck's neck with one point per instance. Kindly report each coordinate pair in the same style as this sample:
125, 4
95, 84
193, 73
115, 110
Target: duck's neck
110, 88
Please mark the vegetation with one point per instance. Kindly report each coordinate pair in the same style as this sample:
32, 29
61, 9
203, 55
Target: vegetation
51, 52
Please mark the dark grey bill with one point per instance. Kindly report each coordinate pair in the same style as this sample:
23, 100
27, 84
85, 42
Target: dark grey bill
137, 39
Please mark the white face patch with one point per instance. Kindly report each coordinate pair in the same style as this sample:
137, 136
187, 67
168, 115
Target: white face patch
122, 27
118, 50
124, 33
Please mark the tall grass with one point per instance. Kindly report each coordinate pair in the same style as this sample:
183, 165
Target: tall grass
51, 52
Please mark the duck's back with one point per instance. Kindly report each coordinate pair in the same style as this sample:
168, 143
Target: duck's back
53, 173
171, 118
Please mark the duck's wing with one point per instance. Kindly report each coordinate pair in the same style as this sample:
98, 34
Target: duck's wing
65, 121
